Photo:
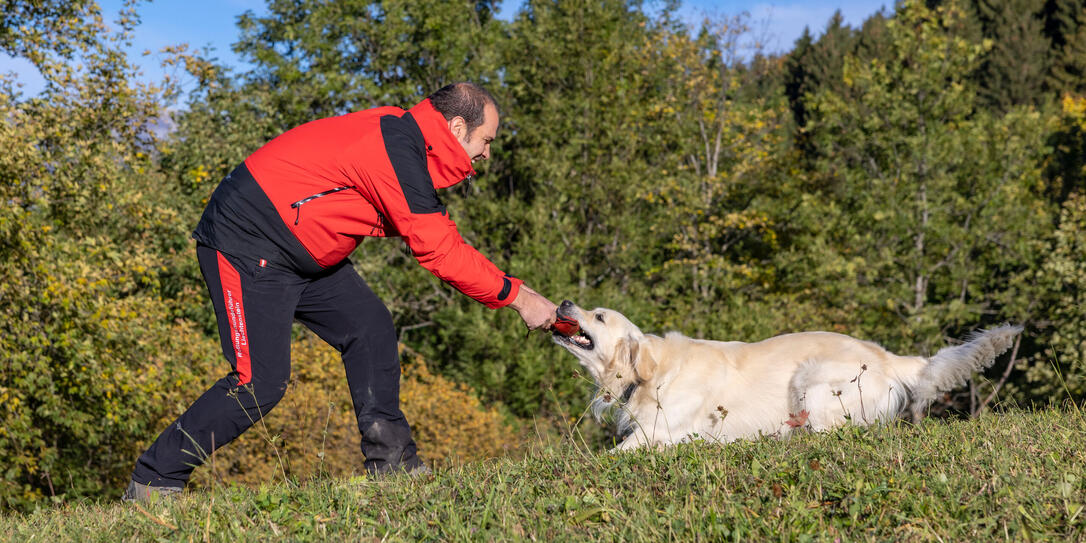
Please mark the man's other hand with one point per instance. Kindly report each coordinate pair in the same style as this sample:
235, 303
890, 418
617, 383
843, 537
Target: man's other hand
537, 311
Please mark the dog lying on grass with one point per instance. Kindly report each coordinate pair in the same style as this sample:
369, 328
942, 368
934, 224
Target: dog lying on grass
673, 388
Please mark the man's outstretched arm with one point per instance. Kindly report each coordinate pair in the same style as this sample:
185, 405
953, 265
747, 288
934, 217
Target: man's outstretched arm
536, 310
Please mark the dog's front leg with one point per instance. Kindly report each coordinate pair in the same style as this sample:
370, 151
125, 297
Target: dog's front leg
633, 441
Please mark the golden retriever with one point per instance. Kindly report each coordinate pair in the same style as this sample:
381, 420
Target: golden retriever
674, 388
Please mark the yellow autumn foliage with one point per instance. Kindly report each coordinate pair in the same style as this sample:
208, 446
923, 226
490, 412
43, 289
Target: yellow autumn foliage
1074, 110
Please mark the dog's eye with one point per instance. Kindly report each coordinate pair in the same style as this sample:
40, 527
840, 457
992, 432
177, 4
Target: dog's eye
599, 317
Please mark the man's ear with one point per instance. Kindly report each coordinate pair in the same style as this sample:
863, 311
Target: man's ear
459, 127
641, 359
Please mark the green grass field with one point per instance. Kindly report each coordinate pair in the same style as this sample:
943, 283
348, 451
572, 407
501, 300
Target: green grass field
1016, 476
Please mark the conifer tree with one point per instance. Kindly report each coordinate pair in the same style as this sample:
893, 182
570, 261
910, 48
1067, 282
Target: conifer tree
1065, 26
813, 64
1015, 67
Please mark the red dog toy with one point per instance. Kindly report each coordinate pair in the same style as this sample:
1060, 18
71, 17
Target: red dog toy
565, 326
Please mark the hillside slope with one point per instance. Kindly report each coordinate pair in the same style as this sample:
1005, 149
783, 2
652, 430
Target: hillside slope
1013, 476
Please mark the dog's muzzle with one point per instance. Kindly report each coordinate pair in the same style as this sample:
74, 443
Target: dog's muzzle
576, 337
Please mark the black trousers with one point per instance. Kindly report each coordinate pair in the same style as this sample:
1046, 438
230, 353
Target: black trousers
255, 306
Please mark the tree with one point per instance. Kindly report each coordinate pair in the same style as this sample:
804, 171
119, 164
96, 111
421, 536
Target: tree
1014, 69
90, 262
1065, 26
713, 206
1056, 371
328, 58
556, 205
933, 203
48, 32
813, 64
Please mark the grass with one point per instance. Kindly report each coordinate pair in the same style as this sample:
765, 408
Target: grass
1013, 476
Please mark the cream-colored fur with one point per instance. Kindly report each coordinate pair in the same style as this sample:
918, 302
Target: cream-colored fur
725, 390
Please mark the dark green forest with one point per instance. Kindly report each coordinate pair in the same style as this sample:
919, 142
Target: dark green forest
907, 182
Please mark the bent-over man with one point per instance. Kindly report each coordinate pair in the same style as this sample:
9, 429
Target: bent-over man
273, 244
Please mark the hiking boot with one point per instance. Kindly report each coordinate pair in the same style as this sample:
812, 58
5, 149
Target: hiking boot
413, 468
137, 492
419, 471
389, 450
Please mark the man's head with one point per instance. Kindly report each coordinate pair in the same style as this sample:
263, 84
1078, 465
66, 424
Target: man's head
472, 114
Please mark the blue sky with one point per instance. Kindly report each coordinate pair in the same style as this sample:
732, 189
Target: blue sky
212, 23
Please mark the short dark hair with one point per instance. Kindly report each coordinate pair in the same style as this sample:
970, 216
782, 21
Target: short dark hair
464, 99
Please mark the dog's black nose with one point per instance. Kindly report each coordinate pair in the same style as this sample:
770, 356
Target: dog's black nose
566, 305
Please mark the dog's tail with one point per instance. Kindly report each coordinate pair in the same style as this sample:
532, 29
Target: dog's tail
951, 366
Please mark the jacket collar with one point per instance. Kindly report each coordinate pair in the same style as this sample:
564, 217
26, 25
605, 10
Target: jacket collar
446, 159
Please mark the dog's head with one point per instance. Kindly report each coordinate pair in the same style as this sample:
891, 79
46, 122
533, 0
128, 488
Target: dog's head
610, 347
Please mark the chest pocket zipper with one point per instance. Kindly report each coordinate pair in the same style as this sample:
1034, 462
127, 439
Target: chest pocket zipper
298, 205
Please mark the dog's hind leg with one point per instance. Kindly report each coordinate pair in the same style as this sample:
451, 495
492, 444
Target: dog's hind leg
806, 375
836, 393
827, 407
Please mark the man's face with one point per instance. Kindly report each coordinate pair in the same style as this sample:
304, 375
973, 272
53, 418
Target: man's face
477, 142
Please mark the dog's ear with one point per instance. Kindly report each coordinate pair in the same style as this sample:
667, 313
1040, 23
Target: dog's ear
622, 351
641, 359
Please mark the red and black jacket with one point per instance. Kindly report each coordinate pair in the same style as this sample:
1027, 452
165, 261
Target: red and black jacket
306, 199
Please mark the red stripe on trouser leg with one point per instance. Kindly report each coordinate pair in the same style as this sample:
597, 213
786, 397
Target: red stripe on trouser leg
235, 313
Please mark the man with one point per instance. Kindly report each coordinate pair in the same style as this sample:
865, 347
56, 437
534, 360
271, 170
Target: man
273, 245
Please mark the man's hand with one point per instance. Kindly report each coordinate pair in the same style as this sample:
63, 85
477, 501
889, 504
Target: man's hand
537, 311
